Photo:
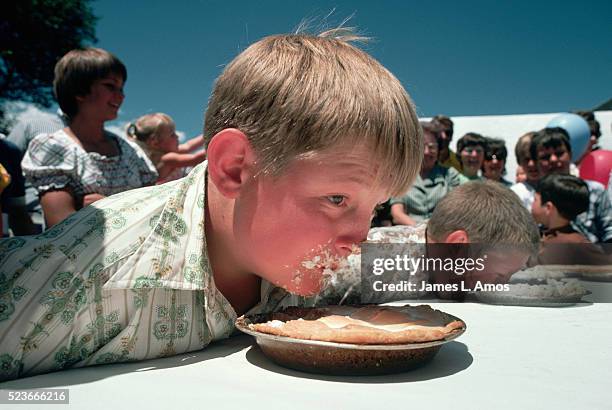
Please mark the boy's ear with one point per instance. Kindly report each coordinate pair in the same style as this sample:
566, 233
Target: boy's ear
230, 161
549, 207
459, 236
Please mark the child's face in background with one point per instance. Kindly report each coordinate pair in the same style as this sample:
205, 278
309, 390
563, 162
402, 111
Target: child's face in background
320, 206
166, 139
493, 166
530, 167
430, 152
521, 175
538, 210
553, 160
471, 159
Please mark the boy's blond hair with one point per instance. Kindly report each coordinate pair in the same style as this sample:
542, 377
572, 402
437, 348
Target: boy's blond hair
488, 212
296, 94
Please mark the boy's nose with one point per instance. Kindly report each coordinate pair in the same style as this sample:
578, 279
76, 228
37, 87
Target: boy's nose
346, 241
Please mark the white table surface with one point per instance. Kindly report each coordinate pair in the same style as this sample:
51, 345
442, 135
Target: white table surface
509, 358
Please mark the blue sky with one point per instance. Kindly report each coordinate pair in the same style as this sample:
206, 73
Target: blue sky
456, 58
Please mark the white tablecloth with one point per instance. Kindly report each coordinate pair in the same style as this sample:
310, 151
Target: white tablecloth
509, 358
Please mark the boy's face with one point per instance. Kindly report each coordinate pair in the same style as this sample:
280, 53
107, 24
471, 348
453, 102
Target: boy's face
539, 211
532, 174
553, 160
493, 166
471, 159
430, 151
319, 206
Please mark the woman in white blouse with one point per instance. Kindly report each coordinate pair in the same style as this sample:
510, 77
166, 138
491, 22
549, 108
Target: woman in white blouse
83, 162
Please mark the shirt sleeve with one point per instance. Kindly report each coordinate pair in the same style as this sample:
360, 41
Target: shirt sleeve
603, 216
397, 200
455, 178
50, 164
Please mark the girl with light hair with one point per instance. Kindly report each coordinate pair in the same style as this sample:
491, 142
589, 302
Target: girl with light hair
156, 135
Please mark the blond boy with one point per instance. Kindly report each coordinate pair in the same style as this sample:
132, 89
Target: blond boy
307, 134
490, 219
475, 219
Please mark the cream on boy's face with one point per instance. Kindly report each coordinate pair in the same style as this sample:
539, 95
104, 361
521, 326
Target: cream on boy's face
321, 204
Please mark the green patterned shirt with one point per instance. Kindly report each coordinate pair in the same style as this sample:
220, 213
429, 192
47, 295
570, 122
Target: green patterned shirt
125, 279
423, 196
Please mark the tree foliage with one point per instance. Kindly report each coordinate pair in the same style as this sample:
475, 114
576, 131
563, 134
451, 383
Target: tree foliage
34, 35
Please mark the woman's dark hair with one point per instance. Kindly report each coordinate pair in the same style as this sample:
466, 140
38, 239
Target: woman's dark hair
471, 139
76, 72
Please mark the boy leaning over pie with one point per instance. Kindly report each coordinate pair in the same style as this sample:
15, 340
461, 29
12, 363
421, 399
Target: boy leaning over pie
475, 219
482, 218
307, 134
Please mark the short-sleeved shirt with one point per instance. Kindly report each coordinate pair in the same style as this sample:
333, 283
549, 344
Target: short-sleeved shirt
525, 192
124, 279
596, 222
420, 201
22, 133
28, 128
610, 186
55, 161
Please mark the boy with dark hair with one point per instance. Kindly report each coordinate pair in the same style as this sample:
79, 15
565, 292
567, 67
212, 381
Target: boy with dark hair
559, 199
552, 151
471, 148
494, 165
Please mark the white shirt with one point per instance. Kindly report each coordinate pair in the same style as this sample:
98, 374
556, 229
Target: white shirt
525, 192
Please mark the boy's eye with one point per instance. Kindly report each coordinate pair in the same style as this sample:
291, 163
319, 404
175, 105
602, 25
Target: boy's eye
336, 199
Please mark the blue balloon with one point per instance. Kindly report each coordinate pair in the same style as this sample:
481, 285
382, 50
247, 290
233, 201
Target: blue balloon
578, 130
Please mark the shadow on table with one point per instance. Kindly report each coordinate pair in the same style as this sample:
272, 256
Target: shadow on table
84, 375
454, 357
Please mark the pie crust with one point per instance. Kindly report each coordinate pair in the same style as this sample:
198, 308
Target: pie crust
368, 324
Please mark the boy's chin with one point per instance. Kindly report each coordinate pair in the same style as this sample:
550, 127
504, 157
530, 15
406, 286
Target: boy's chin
304, 284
